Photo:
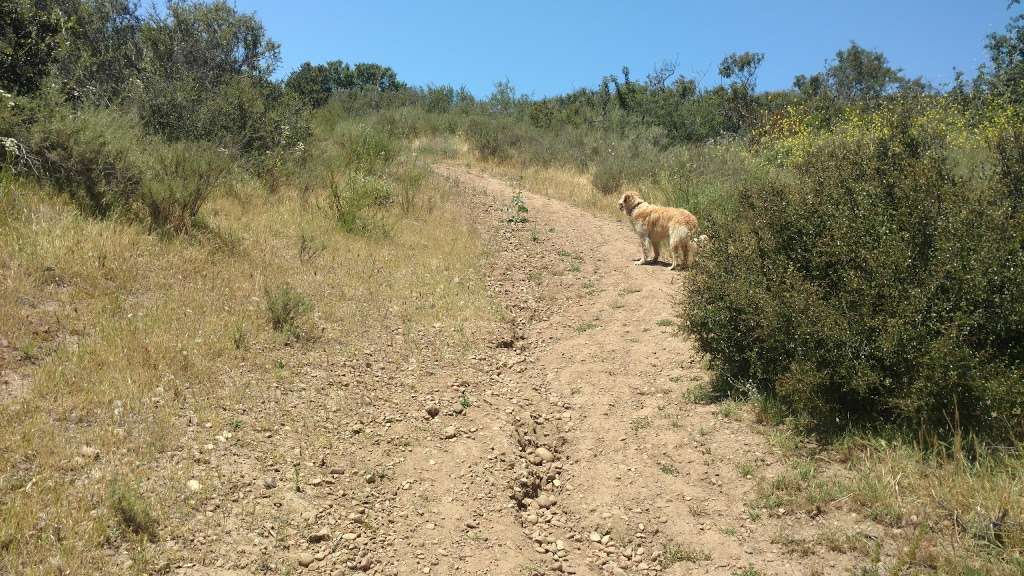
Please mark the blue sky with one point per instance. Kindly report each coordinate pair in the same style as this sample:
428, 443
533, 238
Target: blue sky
548, 48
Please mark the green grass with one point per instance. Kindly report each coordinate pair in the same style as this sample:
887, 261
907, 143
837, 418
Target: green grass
132, 511
674, 553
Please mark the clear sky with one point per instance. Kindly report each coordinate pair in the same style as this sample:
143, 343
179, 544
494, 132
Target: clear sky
547, 48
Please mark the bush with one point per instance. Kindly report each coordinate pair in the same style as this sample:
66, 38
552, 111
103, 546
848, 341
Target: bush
494, 138
609, 175
356, 203
91, 156
182, 177
368, 151
876, 287
287, 309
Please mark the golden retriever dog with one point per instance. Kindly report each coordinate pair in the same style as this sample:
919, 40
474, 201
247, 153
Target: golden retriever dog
657, 224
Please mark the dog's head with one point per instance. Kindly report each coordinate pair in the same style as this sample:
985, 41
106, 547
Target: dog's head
629, 201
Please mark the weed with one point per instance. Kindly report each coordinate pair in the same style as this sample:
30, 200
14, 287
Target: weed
730, 409
287, 308
310, 246
745, 469
464, 401
131, 510
239, 336
518, 210
699, 393
665, 322
585, 326
640, 423
668, 468
793, 545
675, 553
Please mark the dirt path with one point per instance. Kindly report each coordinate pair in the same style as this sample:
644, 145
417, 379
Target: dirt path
562, 444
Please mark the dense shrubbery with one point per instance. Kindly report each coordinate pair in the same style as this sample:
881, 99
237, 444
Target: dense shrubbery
873, 284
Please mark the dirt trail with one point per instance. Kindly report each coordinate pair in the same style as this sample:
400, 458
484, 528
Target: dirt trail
563, 444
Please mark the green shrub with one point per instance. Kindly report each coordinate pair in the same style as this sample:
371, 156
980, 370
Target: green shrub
368, 151
131, 510
609, 175
91, 156
182, 178
875, 287
287, 309
494, 138
357, 201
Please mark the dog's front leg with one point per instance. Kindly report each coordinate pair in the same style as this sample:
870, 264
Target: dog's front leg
645, 241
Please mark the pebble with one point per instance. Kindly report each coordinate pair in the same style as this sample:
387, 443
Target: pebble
269, 482
322, 535
546, 501
449, 433
306, 559
432, 411
89, 453
544, 454
194, 485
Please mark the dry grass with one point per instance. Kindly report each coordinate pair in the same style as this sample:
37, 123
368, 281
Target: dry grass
112, 339
945, 511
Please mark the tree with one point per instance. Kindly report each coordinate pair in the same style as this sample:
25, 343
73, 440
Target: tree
1006, 53
856, 74
375, 76
31, 37
315, 83
209, 43
743, 67
741, 70
104, 52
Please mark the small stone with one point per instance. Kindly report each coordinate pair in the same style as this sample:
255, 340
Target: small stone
432, 411
322, 535
449, 433
544, 454
595, 537
89, 453
546, 501
269, 482
306, 559
349, 536
194, 485
364, 564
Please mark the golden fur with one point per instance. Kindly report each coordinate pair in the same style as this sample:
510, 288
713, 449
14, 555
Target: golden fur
657, 224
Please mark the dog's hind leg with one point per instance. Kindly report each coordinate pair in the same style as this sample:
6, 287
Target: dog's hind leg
679, 243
